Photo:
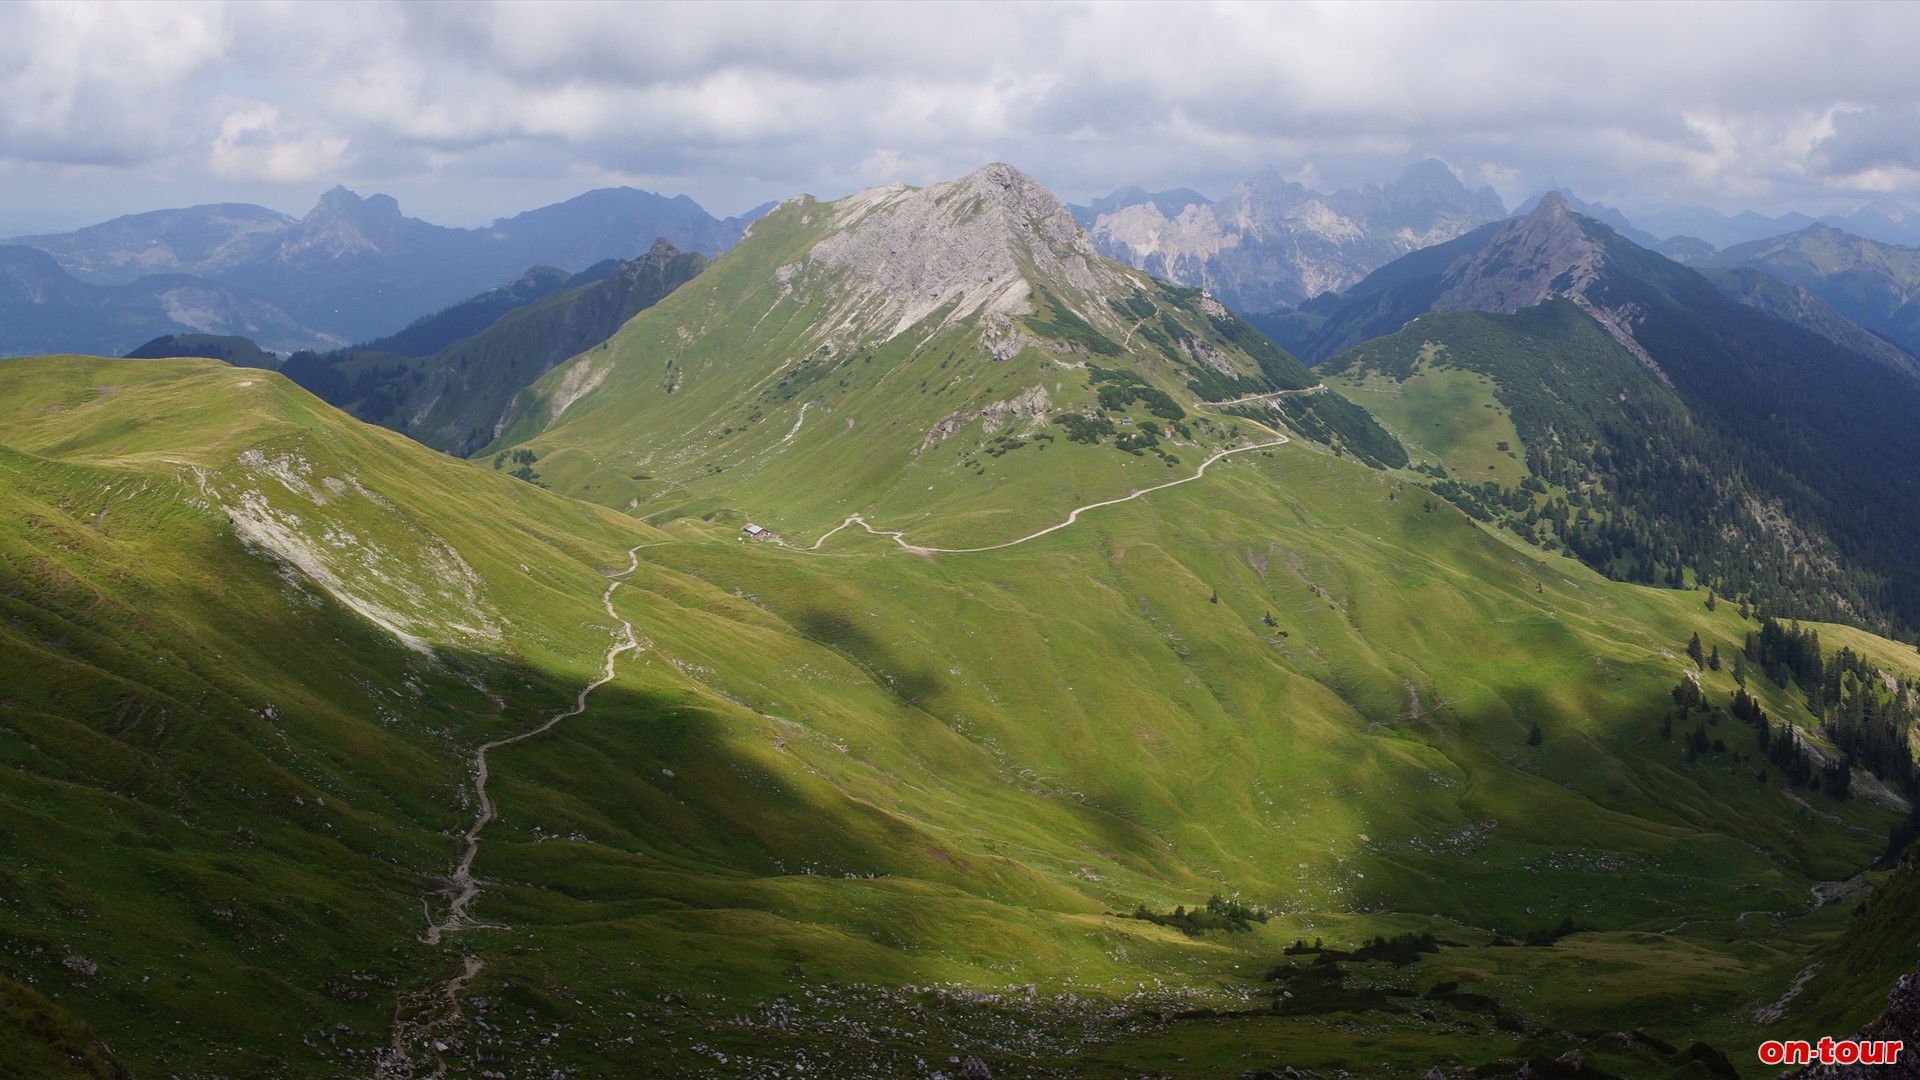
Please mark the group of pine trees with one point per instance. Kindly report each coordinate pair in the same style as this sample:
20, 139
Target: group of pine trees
1868, 717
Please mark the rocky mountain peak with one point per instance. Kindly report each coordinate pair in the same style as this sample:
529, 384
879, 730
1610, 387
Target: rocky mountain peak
1554, 203
340, 202
965, 246
1549, 252
1429, 190
342, 223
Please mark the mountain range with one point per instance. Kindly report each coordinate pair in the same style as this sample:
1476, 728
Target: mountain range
1272, 246
45, 309
916, 644
1273, 243
1874, 284
1882, 220
355, 268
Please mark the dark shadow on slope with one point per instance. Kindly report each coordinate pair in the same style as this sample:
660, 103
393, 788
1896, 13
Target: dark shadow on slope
914, 684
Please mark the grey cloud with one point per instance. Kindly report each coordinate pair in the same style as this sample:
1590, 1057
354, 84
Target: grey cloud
1871, 139
737, 103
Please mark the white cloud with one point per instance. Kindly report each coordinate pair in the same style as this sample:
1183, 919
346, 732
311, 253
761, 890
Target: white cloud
88, 84
257, 144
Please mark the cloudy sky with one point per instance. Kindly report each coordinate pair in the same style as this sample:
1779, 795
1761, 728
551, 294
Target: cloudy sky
469, 111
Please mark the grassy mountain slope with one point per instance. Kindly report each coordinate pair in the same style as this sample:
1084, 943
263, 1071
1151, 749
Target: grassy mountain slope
850, 759
229, 784
882, 355
1072, 727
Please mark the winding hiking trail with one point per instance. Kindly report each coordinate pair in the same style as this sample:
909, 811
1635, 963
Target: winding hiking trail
430, 1016
436, 1008
900, 537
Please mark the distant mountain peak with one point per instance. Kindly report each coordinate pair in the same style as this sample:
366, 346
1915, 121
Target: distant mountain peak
1431, 170
339, 201
1434, 181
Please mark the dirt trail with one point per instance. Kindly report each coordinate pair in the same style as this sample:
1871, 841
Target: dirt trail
462, 885
436, 1009
1267, 395
917, 549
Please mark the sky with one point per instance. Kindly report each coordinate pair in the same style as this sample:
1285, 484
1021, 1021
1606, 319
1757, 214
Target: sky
471, 111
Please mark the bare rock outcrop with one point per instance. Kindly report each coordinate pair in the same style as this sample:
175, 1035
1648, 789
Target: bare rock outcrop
957, 248
1900, 1022
1545, 254
1032, 402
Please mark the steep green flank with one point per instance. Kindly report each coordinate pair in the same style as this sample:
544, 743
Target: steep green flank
928, 356
229, 789
38, 1040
